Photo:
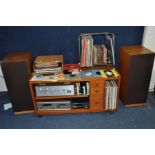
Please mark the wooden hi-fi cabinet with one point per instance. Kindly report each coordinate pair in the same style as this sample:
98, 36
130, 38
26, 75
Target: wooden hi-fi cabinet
95, 98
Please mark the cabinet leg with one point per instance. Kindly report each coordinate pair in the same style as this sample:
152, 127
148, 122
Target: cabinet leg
111, 112
40, 116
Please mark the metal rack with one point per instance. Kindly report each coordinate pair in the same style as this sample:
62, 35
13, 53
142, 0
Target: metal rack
98, 34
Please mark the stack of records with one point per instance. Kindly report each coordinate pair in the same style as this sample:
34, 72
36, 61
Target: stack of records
110, 49
87, 51
48, 64
111, 90
100, 55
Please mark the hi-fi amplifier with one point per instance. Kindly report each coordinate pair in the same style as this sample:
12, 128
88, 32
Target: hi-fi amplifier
54, 105
58, 90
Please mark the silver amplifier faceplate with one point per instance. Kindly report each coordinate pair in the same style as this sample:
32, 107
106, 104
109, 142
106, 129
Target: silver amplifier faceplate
54, 90
55, 105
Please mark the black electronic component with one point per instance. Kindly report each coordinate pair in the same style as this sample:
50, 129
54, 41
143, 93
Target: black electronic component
79, 105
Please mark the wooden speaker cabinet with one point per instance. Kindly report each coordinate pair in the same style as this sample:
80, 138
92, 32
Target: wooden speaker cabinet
135, 67
17, 69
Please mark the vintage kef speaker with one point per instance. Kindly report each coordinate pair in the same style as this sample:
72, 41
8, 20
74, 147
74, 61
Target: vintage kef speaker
135, 67
17, 69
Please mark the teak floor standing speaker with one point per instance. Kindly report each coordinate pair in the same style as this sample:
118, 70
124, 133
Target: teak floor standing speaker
135, 67
17, 69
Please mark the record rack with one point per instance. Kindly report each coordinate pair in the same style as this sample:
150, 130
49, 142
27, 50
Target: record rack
99, 54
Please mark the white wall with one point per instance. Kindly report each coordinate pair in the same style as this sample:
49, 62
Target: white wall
2, 82
149, 42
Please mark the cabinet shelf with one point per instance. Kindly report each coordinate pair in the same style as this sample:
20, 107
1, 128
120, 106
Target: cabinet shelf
71, 111
44, 112
61, 97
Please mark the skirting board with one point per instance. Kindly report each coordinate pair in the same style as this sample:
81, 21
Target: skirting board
135, 105
24, 112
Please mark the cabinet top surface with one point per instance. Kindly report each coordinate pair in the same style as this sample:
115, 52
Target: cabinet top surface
136, 50
77, 80
93, 79
18, 56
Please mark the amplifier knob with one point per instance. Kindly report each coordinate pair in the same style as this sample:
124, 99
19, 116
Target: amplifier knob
68, 91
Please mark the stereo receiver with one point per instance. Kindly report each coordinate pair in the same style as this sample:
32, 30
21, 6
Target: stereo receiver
54, 105
58, 90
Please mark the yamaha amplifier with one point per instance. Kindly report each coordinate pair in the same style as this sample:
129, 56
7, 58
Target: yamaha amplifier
58, 90
54, 105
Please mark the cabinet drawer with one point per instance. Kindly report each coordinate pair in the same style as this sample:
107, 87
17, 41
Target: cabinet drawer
97, 84
96, 91
96, 102
96, 105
